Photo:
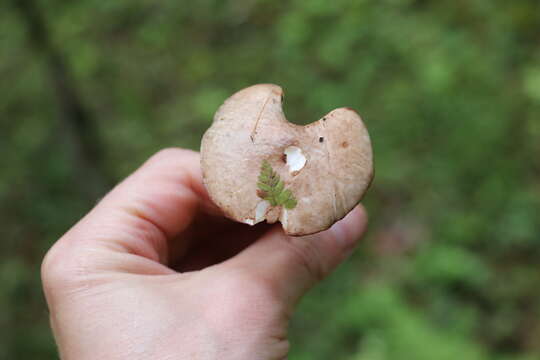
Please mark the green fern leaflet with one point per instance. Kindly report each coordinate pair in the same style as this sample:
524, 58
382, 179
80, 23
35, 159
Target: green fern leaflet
272, 189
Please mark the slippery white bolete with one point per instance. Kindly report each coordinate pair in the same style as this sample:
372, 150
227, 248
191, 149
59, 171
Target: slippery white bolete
258, 166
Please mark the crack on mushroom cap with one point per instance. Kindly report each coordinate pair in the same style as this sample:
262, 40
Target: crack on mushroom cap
254, 131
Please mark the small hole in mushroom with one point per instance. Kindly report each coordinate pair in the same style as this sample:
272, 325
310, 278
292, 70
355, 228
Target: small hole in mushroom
295, 159
344, 144
284, 158
321, 139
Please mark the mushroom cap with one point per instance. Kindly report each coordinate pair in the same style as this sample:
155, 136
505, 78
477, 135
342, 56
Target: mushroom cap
327, 165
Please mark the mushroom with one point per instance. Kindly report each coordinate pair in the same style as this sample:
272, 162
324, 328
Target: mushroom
258, 166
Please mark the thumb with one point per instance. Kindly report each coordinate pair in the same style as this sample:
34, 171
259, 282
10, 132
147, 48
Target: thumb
292, 265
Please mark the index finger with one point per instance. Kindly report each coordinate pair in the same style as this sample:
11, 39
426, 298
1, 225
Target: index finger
152, 205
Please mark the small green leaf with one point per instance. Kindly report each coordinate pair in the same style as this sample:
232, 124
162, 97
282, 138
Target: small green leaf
282, 197
273, 189
279, 187
274, 181
290, 204
264, 187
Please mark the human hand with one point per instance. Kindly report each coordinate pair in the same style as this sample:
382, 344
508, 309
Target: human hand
154, 271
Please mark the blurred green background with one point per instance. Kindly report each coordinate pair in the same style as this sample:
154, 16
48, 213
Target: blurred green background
450, 92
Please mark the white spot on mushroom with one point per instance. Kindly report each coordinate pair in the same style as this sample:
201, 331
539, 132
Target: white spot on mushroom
260, 210
260, 213
283, 219
295, 159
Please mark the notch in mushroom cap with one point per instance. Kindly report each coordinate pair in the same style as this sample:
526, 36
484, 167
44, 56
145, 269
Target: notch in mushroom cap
258, 166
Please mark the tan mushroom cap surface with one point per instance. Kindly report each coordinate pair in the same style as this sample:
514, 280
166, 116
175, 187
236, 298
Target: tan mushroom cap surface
327, 165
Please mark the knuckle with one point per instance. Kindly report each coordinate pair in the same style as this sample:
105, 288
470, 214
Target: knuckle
52, 269
60, 268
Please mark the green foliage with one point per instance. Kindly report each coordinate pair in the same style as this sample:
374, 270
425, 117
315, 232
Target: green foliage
450, 93
272, 188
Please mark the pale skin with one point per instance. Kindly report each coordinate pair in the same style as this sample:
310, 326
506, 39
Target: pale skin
155, 271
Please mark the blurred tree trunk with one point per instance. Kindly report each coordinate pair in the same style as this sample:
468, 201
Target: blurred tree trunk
76, 120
